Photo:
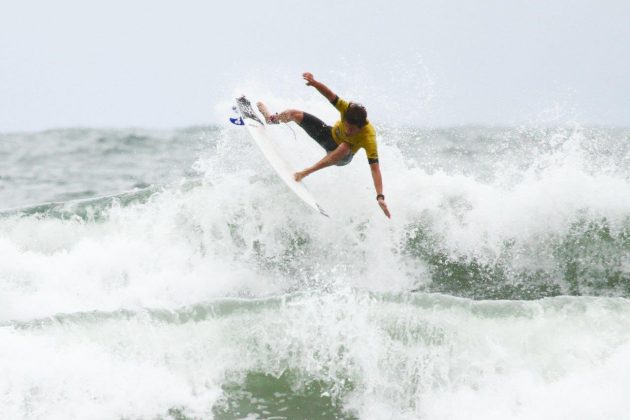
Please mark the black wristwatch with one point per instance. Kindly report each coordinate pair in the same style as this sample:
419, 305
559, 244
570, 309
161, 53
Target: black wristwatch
380, 196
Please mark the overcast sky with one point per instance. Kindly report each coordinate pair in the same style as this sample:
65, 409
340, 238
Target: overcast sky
155, 63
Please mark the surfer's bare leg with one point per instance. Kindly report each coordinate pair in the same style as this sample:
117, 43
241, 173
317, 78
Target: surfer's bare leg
285, 116
291, 115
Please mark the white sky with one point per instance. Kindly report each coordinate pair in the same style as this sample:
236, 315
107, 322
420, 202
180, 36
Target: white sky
431, 63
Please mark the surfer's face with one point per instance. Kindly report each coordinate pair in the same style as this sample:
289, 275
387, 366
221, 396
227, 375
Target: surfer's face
350, 129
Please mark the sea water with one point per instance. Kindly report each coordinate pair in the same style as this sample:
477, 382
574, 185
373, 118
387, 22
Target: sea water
171, 275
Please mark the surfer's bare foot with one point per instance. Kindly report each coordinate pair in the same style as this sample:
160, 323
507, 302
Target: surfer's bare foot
270, 119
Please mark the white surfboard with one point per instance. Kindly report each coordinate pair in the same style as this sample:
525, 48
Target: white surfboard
258, 130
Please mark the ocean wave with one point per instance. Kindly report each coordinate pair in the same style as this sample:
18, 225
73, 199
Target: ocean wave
345, 352
91, 209
211, 291
589, 258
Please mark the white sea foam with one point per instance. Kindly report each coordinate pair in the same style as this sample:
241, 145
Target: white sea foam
69, 352
422, 356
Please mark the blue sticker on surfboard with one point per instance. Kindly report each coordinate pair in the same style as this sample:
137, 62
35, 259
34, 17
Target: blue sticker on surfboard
237, 120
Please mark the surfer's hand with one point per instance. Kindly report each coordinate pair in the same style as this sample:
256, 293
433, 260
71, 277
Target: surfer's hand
298, 176
309, 78
381, 202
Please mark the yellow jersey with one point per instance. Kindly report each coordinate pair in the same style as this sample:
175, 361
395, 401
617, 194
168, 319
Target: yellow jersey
365, 138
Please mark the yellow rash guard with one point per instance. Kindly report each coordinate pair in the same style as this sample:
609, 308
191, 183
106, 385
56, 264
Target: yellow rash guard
365, 138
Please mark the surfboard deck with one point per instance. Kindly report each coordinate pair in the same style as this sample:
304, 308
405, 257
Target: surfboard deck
258, 130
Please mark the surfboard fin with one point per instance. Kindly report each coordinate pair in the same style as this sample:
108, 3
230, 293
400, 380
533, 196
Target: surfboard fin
246, 109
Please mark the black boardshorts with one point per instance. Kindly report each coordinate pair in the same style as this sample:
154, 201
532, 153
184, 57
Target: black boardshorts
322, 134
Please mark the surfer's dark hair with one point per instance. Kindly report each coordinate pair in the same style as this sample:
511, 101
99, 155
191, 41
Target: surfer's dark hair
356, 115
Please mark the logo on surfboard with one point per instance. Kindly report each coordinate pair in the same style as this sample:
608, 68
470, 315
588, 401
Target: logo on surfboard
236, 120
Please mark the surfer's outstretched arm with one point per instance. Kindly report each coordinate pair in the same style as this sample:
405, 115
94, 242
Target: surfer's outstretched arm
330, 159
322, 88
378, 185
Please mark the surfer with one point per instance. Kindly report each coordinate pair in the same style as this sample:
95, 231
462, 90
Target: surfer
341, 141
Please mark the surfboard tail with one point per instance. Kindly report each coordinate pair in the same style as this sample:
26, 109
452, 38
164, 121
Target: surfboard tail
245, 107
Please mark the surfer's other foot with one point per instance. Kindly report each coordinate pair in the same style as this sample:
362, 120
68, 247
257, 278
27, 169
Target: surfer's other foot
270, 119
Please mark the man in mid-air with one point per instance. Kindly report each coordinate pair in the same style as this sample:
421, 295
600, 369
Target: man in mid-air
341, 141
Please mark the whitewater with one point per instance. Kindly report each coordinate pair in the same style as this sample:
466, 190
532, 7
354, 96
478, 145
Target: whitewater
169, 274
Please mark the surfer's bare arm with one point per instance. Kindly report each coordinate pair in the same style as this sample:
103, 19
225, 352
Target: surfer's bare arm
378, 185
330, 159
322, 88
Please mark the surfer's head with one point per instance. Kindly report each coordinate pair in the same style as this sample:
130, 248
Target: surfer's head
354, 119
